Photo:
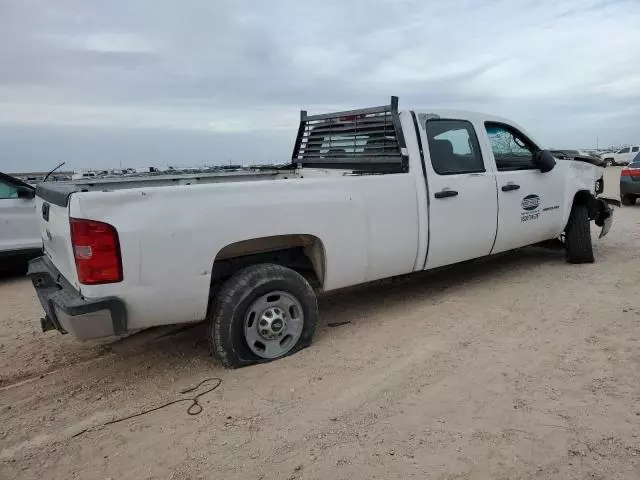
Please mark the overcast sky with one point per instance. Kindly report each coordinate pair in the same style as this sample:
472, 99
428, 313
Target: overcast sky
156, 82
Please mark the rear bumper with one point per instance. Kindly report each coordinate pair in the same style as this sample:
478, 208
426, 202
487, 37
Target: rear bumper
629, 187
67, 311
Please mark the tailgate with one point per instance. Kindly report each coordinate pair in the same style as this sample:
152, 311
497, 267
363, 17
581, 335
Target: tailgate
55, 229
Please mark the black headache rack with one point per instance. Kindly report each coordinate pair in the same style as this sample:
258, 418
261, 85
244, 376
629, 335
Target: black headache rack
368, 140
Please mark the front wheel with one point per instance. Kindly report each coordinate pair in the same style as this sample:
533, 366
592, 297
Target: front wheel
608, 162
578, 236
262, 313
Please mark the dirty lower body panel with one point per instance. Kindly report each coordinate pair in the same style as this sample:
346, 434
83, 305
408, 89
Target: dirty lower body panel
67, 311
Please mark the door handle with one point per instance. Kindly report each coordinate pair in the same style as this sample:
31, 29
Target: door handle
445, 194
510, 187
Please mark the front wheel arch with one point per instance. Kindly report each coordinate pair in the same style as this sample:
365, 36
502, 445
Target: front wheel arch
586, 198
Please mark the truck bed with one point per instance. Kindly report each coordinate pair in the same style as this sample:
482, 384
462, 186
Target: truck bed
58, 192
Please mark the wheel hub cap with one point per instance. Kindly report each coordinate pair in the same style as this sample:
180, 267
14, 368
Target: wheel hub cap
272, 324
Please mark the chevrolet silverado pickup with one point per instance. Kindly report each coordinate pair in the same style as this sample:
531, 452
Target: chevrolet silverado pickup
368, 194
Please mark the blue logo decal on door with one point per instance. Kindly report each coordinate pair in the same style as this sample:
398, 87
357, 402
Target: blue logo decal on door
530, 202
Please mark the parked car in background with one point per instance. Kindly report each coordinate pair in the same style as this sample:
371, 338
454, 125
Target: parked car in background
19, 224
83, 175
622, 156
630, 182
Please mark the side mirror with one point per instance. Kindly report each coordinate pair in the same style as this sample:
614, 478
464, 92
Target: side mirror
26, 192
544, 160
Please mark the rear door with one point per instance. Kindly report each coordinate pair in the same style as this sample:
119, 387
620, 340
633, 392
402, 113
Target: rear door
462, 193
530, 202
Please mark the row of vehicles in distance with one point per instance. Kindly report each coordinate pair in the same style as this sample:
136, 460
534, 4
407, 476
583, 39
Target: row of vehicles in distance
619, 157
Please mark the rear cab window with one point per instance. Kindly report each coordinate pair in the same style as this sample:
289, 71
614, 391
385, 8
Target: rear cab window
453, 147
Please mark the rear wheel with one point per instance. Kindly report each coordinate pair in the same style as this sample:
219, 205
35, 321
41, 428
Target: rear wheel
608, 162
628, 199
262, 313
578, 236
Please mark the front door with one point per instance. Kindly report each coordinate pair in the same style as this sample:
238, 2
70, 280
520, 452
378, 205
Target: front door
462, 194
530, 203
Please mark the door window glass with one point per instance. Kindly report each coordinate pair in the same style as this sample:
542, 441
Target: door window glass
624, 150
7, 190
511, 149
635, 149
453, 147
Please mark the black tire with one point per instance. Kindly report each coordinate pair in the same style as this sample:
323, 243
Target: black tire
628, 199
578, 236
227, 313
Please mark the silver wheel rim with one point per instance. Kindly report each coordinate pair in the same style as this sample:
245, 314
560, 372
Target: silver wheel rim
273, 324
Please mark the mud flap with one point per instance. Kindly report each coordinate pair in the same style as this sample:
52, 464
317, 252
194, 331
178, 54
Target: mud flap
604, 217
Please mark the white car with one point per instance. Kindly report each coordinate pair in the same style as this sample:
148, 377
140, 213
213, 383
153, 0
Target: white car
622, 156
19, 225
369, 194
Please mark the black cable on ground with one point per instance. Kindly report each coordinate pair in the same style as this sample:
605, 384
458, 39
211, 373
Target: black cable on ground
194, 409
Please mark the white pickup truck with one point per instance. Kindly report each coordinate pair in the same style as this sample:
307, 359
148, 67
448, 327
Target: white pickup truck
370, 193
622, 156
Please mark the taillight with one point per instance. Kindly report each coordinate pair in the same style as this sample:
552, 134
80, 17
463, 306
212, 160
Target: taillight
96, 249
630, 172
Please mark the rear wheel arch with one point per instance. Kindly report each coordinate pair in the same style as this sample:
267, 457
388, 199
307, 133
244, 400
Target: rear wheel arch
302, 253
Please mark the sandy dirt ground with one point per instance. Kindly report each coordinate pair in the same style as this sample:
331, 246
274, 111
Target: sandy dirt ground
519, 366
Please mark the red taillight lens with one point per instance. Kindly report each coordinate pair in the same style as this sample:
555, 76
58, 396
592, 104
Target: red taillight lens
630, 172
625, 172
96, 249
